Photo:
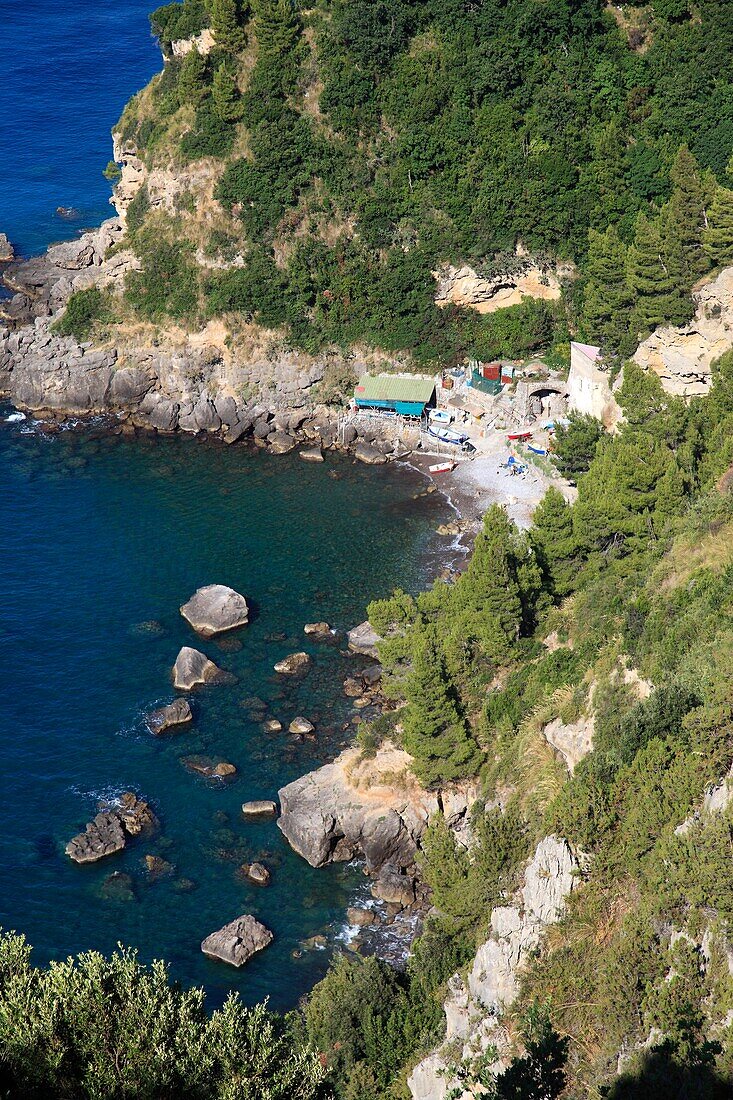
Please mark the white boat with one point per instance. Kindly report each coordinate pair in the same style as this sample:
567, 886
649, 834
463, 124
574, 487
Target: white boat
442, 467
440, 416
448, 435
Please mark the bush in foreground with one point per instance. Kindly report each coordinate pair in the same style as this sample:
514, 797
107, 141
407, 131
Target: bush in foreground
107, 1029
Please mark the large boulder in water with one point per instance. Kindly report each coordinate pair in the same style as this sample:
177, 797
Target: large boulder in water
193, 667
109, 830
214, 609
238, 941
364, 639
177, 713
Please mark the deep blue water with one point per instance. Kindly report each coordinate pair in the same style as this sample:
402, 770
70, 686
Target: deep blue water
99, 539
68, 70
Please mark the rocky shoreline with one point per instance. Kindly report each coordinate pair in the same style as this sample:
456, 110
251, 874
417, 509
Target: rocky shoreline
169, 382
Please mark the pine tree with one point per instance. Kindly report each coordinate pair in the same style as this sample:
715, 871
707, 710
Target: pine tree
486, 603
225, 94
608, 300
718, 237
686, 219
225, 23
192, 78
555, 543
434, 730
658, 299
276, 27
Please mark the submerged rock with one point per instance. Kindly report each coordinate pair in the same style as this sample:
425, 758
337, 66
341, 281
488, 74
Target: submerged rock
109, 830
177, 713
293, 664
158, 867
193, 667
237, 941
214, 609
118, 886
204, 765
272, 725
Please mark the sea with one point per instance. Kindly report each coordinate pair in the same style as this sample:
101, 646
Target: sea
102, 538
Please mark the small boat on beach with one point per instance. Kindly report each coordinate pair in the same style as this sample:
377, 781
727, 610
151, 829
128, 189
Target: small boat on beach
519, 435
448, 435
442, 468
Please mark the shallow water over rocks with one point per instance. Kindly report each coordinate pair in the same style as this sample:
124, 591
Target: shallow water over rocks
102, 539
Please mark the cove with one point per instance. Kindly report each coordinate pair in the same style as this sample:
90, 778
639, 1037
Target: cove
102, 538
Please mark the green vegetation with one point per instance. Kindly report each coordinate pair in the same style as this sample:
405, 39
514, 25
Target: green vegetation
359, 146
92, 1028
84, 309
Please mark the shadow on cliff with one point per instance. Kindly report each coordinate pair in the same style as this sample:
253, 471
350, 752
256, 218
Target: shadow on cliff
660, 1076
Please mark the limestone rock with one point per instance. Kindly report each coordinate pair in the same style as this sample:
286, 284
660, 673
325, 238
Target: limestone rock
301, 725
238, 941
365, 452
364, 639
193, 667
7, 252
272, 725
214, 609
361, 918
682, 356
473, 1012
293, 664
311, 454
257, 873
572, 741
177, 713
391, 886
462, 286
317, 630
327, 816
280, 443
109, 830
261, 807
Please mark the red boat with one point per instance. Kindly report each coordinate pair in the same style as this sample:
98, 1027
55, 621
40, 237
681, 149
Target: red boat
519, 435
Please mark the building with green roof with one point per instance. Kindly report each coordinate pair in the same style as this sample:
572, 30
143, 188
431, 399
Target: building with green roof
406, 394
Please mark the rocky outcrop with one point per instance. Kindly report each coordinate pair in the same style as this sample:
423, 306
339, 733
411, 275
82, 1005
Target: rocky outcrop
461, 286
256, 873
473, 1009
364, 639
571, 740
7, 252
177, 713
214, 609
203, 42
716, 800
682, 357
110, 829
238, 941
193, 667
372, 808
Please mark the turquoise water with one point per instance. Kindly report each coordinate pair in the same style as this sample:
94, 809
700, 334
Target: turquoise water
101, 540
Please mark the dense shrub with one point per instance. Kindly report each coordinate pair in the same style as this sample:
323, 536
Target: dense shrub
83, 310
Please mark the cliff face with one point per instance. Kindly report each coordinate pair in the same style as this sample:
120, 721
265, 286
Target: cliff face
682, 357
473, 1008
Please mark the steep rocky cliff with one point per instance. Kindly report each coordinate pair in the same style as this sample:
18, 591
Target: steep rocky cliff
682, 356
474, 1007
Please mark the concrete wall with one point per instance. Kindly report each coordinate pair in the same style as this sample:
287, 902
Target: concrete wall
589, 391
